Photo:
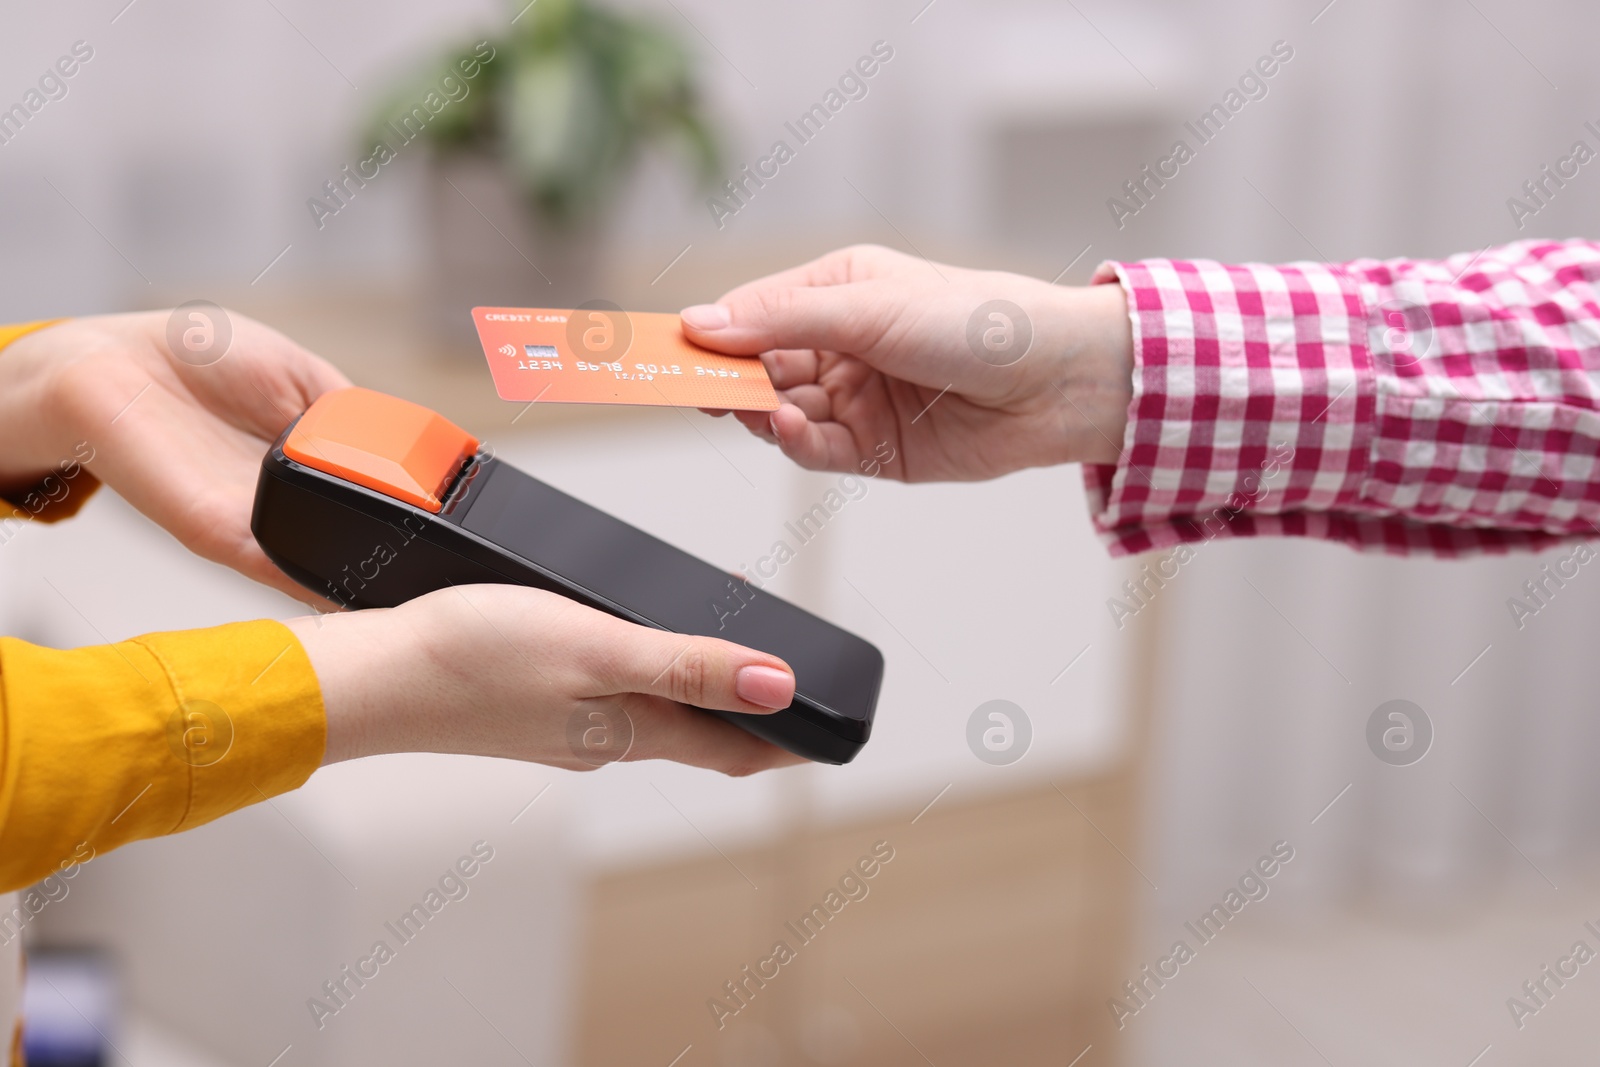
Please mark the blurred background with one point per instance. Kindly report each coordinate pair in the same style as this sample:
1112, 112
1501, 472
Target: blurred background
187, 159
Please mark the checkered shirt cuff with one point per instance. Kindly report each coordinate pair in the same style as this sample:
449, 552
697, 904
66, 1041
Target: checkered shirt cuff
1408, 406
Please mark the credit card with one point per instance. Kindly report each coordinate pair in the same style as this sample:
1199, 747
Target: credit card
600, 354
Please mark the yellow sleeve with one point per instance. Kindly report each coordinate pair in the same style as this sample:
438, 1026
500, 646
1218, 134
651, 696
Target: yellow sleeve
104, 745
22, 329
44, 502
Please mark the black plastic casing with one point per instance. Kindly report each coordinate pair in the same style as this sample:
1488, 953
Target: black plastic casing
361, 549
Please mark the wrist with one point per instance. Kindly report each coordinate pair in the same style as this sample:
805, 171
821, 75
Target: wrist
1091, 342
368, 666
34, 438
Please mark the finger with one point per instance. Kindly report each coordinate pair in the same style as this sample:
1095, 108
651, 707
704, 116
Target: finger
758, 423
211, 533
715, 413
263, 381
846, 318
254, 564
293, 386
814, 442
815, 446
664, 729
791, 367
315, 375
703, 672
813, 400
296, 370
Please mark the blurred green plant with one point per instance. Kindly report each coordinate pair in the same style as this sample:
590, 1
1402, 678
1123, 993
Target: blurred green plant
574, 94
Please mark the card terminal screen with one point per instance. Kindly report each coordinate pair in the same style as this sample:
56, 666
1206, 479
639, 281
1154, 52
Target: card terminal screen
671, 588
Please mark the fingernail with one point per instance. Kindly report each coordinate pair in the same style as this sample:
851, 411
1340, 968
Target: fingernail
766, 687
706, 317
772, 421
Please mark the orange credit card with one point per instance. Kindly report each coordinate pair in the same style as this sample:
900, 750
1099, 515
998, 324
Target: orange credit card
600, 354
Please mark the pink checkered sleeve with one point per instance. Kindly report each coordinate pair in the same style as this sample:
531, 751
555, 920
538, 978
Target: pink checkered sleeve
1408, 406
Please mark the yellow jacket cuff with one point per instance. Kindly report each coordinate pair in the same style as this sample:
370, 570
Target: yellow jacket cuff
58, 495
109, 744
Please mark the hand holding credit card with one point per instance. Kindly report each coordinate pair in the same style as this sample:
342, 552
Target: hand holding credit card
601, 354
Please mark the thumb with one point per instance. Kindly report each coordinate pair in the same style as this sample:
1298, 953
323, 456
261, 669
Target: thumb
760, 318
703, 672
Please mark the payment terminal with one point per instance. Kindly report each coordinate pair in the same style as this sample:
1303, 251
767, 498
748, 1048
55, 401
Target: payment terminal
370, 500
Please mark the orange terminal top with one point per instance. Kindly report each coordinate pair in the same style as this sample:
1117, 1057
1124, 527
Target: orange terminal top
386, 444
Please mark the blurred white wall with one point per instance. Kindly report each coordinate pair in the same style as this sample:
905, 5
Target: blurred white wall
193, 138
190, 111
